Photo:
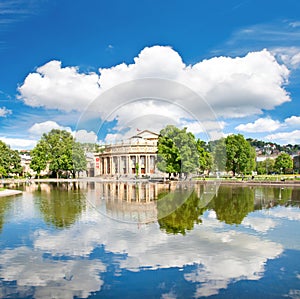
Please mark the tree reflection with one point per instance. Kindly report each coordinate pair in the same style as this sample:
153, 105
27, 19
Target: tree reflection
60, 207
233, 203
184, 217
5, 204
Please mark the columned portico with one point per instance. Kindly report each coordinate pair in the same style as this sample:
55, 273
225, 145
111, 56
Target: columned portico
137, 154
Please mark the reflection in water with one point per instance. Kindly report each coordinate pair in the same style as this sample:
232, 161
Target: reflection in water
61, 205
190, 253
5, 204
184, 217
232, 204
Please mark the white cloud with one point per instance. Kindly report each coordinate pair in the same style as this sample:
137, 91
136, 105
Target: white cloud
55, 87
39, 129
84, 136
293, 121
220, 86
4, 112
44, 127
286, 213
285, 137
259, 224
260, 125
19, 143
243, 255
289, 56
50, 279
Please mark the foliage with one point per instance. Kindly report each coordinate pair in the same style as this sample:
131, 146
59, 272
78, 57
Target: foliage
266, 166
10, 161
184, 217
60, 151
239, 154
177, 151
60, 207
233, 204
205, 158
79, 160
283, 163
5, 205
39, 157
219, 154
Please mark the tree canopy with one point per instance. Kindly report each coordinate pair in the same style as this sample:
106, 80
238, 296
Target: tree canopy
283, 163
177, 151
59, 150
240, 156
10, 161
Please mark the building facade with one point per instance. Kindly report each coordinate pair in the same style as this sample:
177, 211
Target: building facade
137, 155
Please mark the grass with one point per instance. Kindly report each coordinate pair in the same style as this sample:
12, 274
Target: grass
259, 178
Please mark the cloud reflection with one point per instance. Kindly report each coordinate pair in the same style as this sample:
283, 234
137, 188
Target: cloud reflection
51, 278
220, 256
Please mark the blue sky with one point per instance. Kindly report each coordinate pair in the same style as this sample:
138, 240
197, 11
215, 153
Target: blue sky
103, 69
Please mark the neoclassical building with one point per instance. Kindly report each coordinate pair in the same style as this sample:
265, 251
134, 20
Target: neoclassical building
135, 155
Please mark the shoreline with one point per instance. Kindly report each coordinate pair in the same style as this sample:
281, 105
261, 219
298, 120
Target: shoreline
9, 192
291, 183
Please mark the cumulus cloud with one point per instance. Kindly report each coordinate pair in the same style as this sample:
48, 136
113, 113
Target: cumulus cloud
285, 137
243, 255
259, 224
4, 112
58, 279
293, 121
55, 87
84, 136
19, 143
44, 127
229, 87
260, 125
39, 129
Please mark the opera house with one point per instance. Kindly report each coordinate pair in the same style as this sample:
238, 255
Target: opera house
136, 155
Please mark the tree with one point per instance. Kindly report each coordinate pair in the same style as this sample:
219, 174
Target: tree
205, 157
10, 161
239, 155
218, 148
60, 151
177, 151
79, 160
266, 166
39, 157
232, 204
184, 217
283, 163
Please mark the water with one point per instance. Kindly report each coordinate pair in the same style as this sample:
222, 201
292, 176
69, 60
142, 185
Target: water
108, 240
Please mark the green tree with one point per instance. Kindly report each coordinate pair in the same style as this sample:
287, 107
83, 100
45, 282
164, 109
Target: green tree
61, 207
218, 148
205, 157
283, 163
266, 166
10, 161
233, 204
39, 157
60, 151
184, 217
177, 151
239, 154
79, 160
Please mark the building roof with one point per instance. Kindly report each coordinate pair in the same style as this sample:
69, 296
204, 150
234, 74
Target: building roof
146, 134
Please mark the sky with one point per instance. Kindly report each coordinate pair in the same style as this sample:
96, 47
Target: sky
106, 69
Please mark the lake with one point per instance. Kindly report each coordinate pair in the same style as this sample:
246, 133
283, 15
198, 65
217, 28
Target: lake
146, 240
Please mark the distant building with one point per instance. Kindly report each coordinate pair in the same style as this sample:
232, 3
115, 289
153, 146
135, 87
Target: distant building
296, 163
137, 154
